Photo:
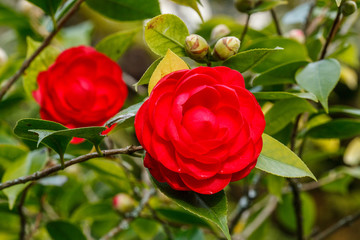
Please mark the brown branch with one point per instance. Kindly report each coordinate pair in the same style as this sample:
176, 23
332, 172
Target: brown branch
276, 21
124, 224
332, 33
43, 173
346, 221
44, 44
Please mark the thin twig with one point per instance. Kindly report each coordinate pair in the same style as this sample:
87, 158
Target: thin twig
245, 27
346, 221
276, 21
43, 173
308, 18
244, 203
44, 44
22, 233
332, 33
297, 207
124, 224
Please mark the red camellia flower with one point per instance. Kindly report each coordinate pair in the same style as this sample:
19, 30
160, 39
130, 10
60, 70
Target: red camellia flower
201, 129
82, 88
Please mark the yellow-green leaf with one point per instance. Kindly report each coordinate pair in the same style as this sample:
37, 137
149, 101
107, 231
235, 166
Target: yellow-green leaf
169, 64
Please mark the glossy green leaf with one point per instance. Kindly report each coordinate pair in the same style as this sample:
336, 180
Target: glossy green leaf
190, 3
267, 5
115, 45
181, 217
320, 78
338, 128
293, 52
345, 110
248, 59
285, 111
124, 116
24, 166
191, 234
283, 95
126, 10
165, 32
282, 74
60, 230
41, 63
148, 73
210, 207
277, 159
49, 6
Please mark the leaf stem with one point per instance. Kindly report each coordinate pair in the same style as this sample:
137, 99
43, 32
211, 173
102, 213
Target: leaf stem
41, 174
98, 150
332, 33
44, 44
245, 27
276, 21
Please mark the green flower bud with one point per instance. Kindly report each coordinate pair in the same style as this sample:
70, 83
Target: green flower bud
123, 203
348, 8
219, 31
196, 47
244, 5
226, 47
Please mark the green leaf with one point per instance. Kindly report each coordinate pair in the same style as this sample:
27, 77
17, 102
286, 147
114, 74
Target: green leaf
106, 167
192, 234
147, 75
277, 159
125, 115
210, 207
267, 5
116, 44
285, 111
49, 7
320, 78
283, 95
338, 128
24, 166
58, 144
10, 153
338, 2
190, 3
165, 32
248, 59
40, 63
60, 230
76, 35
181, 217
293, 51
146, 229
314, 46
284, 73
345, 110
126, 10
94, 211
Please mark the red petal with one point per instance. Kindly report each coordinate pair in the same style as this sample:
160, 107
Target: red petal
230, 76
206, 186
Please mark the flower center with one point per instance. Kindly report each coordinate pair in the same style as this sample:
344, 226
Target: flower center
200, 122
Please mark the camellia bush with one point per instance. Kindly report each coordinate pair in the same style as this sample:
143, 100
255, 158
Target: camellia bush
121, 121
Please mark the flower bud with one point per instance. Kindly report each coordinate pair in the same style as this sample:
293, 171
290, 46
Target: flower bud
348, 8
123, 203
196, 47
297, 34
226, 47
244, 5
3, 57
219, 31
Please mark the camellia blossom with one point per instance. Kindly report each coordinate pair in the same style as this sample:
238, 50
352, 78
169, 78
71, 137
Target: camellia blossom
82, 88
201, 129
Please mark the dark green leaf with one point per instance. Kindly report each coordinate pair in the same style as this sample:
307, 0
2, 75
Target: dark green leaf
277, 159
314, 47
284, 73
339, 128
60, 230
116, 44
248, 59
10, 153
267, 5
125, 115
293, 51
126, 10
210, 207
320, 78
285, 111
192, 234
147, 75
49, 6
283, 95
345, 110
41, 63
181, 216
25, 165
165, 32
